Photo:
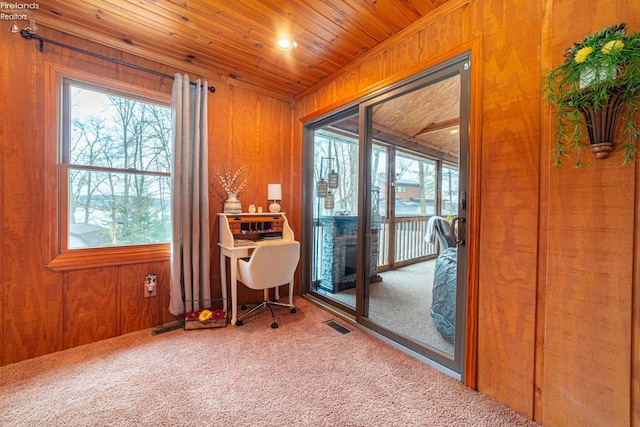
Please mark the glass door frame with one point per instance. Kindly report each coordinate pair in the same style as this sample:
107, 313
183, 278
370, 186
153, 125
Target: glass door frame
308, 190
456, 66
459, 64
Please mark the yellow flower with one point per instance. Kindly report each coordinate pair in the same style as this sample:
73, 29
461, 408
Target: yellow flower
614, 46
205, 315
582, 54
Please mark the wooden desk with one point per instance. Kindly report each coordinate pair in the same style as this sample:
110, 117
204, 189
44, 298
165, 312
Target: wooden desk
239, 235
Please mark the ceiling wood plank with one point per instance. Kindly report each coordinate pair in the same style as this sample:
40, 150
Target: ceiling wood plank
235, 41
435, 127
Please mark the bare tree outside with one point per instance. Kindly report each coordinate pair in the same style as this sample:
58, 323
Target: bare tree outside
119, 170
341, 155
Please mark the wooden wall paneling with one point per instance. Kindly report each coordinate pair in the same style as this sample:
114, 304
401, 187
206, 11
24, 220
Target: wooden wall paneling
347, 85
589, 374
136, 311
470, 373
269, 147
448, 34
369, 73
546, 119
274, 157
91, 305
589, 295
220, 147
509, 204
325, 95
296, 185
220, 140
472, 21
276, 160
403, 55
163, 273
243, 127
635, 309
250, 130
4, 81
32, 311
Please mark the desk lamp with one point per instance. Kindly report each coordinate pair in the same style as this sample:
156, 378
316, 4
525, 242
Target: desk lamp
274, 192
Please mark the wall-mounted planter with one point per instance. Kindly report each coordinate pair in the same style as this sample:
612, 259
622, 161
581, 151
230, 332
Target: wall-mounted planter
597, 86
601, 124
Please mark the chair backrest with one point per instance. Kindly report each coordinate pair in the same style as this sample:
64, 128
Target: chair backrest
270, 265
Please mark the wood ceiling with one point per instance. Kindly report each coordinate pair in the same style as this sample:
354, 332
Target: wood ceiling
426, 121
235, 40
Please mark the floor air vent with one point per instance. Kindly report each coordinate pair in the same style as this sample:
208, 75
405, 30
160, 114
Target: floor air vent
168, 328
337, 326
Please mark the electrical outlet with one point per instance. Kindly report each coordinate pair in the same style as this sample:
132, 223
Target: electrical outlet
150, 284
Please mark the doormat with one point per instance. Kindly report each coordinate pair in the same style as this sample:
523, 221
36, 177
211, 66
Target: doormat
337, 326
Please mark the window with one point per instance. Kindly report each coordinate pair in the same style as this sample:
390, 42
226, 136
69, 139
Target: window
450, 178
116, 167
109, 163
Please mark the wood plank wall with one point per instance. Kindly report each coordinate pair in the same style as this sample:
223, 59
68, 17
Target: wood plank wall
509, 202
558, 260
591, 226
43, 311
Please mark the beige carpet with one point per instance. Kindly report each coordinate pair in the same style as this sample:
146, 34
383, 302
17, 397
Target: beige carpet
301, 374
401, 302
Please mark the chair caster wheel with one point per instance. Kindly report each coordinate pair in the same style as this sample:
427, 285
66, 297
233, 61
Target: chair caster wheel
238, 322
243, 307
293, 310
274, 325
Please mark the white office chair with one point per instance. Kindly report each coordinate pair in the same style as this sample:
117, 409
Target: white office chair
269, 267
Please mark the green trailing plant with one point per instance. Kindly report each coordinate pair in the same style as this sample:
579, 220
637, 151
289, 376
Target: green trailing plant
603, 66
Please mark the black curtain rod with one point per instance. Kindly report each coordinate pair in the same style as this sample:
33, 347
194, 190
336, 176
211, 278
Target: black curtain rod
29, 35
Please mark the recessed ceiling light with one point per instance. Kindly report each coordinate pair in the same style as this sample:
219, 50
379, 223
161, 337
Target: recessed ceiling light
287, 44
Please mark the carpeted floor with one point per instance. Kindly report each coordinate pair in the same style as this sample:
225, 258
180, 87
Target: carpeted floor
301, 374
401, 303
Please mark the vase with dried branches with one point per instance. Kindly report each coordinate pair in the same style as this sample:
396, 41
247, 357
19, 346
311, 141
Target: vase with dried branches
232, 183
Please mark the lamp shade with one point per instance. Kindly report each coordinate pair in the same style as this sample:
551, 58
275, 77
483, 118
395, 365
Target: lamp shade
274, 192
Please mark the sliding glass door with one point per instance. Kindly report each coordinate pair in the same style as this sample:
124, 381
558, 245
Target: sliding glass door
334, 150
385, 212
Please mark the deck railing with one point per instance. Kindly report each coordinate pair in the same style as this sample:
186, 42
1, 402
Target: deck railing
409, 242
